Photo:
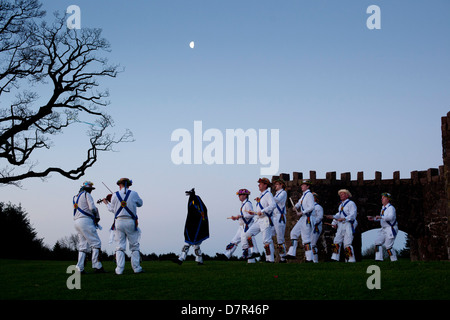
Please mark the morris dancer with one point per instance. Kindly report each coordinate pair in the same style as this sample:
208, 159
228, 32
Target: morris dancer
124, 204
389, 229
265, 205
304, 225
196, 228
279, 217
86, 218
245, 220
317, 217
346, 224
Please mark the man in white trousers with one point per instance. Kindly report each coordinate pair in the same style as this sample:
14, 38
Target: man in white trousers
389, 229
304, 226
124, 204
265, 205
86, 218
317, 217
245, 220
346, 223
279, 217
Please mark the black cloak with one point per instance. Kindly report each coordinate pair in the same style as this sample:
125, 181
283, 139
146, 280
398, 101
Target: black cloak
196, 228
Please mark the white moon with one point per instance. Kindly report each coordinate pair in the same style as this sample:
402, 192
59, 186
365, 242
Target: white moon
191, 44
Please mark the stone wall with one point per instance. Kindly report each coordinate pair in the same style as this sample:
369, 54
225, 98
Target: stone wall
422, 203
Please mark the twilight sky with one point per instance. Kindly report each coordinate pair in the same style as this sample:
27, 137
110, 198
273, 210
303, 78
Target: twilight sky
342, 98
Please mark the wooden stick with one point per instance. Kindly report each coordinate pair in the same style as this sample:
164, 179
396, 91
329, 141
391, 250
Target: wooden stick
293, 205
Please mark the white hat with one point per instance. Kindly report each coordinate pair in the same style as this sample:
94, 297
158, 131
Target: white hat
345, 191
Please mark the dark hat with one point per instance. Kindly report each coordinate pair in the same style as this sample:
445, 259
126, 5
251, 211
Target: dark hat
125, 181
265, 181
279, 180
88, 185
387, 195
306, 181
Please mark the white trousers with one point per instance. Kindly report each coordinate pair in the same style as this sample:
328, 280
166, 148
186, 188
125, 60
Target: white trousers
262, 225
344, 237
279, 230
125, 230
386, 238
304, 229
197, 252
315, 235
88, 240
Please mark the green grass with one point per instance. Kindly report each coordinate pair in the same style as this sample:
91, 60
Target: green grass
223, 280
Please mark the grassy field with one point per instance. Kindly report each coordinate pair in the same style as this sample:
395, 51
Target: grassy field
223, 280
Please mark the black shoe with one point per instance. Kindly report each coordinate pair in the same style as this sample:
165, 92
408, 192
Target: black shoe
177, 261
254, 255
99, 270
221, 256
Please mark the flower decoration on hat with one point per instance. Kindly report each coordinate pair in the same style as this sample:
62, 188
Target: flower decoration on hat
265, 181
387, 195
243, 191
306, 181
88, 185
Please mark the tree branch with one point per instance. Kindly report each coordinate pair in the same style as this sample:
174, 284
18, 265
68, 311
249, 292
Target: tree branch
69, 62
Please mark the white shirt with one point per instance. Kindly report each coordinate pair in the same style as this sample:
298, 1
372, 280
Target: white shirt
133, 202
306, 202
85, 203
347, 210
389, 215
246, 205
317, 214
280, 200
267, 202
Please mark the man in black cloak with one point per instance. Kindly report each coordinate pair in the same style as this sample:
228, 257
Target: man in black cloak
196, 228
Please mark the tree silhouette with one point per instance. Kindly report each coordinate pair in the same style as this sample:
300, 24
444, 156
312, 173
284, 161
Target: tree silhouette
66, 65
18, 239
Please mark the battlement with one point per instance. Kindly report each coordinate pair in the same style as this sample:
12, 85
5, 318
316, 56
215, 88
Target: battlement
417, 177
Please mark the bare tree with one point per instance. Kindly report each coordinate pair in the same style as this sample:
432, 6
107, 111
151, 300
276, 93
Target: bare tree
17, 46
69, 242
66, 63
